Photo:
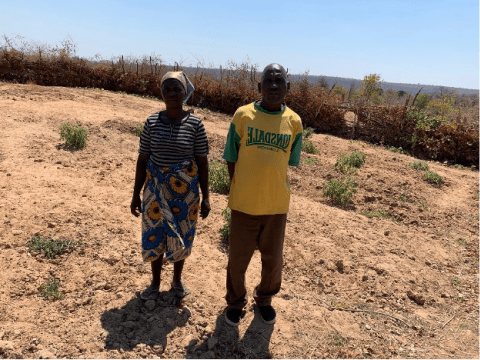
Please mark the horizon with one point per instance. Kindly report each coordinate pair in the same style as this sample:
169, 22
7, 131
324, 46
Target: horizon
429, 43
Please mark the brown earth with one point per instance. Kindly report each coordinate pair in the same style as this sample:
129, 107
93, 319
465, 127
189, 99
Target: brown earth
404, 285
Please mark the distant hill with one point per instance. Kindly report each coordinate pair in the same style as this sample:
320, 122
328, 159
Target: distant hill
409, 88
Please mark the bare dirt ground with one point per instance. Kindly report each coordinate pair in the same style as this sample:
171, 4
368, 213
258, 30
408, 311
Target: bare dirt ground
405, 286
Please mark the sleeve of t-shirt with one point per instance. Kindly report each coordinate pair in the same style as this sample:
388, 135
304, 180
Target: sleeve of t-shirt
230, 153
144, 148
296, 147
201, 141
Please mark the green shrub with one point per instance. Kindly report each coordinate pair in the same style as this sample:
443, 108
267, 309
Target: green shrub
346, 163
74, 135
418, 165
310, 161
52, 248
398, 150
432, 178
458, 166
307, 132
139, 129
308, 147
218, 178
422, 101
225, 230
50, 289
340, 191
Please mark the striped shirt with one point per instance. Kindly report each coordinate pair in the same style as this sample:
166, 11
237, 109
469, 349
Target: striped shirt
169, 145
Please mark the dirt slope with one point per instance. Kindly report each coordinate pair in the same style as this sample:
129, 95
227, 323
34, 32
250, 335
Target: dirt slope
411, 279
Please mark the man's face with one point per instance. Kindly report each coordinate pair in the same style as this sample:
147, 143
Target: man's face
173, 92
274, 86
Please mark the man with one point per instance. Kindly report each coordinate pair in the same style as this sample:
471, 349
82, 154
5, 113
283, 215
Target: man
264, 138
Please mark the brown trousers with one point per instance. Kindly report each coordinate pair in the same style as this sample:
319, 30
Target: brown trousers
246, 233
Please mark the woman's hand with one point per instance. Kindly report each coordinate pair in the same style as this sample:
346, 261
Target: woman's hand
136, 206
205, 208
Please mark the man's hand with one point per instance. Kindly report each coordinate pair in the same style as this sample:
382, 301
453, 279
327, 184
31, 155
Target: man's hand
136, 206
205, 208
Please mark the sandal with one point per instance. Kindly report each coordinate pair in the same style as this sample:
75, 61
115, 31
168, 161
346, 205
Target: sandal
180, 290
151, 292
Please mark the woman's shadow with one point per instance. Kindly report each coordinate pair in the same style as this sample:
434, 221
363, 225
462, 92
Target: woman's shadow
225, 342
144, 322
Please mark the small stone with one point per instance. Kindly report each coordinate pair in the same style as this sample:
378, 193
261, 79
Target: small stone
150, 305
45, 354
17, 232
368, 327
428, 263
364, 277
339, 265
6, 346
419, 299
158, 349
212, 341
386, 233
370, 299
51, 225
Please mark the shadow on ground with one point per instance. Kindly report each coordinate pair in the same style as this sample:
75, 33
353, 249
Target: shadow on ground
225, 342
140, 322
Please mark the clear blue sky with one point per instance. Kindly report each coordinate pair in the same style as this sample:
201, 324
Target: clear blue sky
407, 41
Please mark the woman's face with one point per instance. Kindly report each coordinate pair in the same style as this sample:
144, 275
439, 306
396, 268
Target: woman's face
173, 93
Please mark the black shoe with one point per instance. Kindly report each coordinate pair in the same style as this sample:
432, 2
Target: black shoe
233, 316
268, 314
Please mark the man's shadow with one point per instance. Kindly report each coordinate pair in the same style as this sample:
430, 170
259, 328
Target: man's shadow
224, 343
138, 322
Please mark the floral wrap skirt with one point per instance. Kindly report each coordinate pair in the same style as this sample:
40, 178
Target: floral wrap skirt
170, 209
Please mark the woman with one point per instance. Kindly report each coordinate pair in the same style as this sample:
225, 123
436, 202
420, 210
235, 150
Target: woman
172, 166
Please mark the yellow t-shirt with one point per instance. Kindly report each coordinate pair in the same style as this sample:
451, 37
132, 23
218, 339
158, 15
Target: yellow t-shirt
262, 144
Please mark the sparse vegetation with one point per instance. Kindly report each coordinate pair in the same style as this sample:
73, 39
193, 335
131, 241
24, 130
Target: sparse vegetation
398, 150
340, 191
307, 145
218, 178
51, 248
139, 129
307, 133
50, 289
74, 135
418, 165
310, 161
225, 230
432, 178
378, 213
348, 163
338, 340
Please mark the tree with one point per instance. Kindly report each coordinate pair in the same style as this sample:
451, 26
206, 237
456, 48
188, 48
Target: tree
323, 83
370, 89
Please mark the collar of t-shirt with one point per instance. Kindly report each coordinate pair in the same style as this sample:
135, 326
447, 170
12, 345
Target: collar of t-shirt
165, 119
257, 106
